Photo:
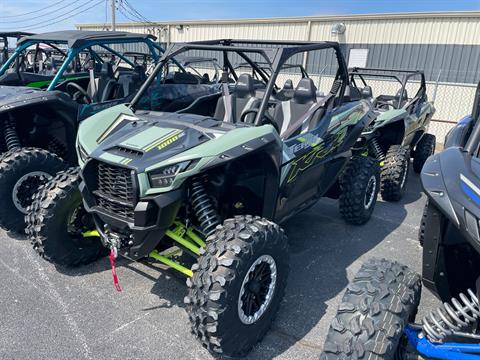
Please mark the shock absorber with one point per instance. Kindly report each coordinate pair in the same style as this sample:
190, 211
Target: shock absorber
450, 319
11, 137
203, 206
377, 149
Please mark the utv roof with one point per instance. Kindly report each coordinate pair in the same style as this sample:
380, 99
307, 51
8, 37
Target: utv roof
77, 38
15, 34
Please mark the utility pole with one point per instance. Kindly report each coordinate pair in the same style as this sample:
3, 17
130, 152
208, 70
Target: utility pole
112, 3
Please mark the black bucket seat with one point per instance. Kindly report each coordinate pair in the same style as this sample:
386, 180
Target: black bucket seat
107, 85
242, 99
289, 112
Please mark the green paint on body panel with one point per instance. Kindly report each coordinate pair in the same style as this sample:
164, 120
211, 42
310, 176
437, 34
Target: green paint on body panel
146, 139
90, 129
45, 83
387, 115
219, 145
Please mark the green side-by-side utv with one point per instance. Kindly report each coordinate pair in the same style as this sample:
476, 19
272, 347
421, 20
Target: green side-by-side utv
377, 316
399, 132
209, 185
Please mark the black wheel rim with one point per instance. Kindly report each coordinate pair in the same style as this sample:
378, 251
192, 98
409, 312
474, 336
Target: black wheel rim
79, 222
26, 187
257, 289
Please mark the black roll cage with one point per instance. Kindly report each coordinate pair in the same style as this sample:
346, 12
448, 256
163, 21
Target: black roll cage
406, 75
10, 34
473, 142
276, 53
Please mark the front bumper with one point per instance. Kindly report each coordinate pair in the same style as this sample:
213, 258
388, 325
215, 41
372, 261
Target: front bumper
151, 218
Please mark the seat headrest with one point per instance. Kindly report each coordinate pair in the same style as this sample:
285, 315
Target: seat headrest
288, 85
367, 92
106, 70
244, 86
305, 91
48, 63
352, 93
139, 72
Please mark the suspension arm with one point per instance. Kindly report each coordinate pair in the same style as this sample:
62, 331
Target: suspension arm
460, 351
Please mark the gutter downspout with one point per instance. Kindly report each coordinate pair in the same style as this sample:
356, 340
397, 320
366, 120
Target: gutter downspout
308, 33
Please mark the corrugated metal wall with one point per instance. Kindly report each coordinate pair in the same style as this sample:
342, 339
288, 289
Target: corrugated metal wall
410, 28
445, 45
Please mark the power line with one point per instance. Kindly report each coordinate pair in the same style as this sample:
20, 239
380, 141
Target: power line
137, 13
137, 17
35, 11
36, 17
126, 15
70, 15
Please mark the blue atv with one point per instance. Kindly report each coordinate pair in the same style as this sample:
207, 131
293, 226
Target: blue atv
376, 319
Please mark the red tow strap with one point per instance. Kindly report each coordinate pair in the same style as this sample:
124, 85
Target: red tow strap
112, 257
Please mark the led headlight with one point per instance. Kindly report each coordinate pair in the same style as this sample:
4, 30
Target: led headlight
164, 176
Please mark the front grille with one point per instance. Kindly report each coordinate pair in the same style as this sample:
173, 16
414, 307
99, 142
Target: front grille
123, 211
115, 192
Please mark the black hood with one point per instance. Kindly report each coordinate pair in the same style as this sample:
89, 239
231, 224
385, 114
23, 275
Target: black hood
9, 94
22, 96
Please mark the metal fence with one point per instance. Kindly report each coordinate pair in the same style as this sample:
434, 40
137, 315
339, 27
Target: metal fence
452, 99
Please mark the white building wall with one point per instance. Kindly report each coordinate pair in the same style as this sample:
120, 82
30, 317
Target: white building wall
412, 28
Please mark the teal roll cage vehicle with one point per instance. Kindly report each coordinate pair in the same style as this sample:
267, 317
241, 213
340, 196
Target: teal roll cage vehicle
209, 184
399, 132
39, 125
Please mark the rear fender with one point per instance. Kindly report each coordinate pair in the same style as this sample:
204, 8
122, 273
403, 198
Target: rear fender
458, 135
44, 113
451, 238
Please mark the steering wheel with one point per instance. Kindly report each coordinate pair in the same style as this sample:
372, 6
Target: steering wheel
74, 89
266, 119
382, 104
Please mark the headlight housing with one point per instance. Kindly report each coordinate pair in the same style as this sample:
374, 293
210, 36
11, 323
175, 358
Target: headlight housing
165, 176
82, 153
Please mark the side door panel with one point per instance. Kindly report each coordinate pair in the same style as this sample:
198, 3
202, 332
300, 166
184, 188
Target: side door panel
312, 161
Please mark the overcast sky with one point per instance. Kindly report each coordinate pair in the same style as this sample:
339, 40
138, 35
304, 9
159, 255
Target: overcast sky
47, 15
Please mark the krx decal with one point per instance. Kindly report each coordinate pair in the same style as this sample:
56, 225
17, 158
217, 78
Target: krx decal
317, 153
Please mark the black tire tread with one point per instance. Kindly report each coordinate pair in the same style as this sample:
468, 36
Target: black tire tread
382, 298
216, 271
424, 148
392, 173
11, 218
353, 182
43, 209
